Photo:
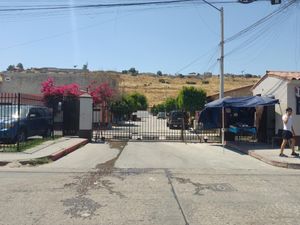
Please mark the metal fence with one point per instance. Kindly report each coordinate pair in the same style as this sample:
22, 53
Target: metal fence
24, 121
144, 126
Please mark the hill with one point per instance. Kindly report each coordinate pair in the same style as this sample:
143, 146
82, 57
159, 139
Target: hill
158, 88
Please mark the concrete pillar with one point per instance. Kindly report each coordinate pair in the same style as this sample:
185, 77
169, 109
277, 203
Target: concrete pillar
85, 116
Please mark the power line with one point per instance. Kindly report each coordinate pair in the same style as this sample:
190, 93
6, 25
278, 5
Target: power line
261, 21
88, 6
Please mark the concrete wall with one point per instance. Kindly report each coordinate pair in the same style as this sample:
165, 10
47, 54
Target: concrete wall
30, 82
291, 99
278, 88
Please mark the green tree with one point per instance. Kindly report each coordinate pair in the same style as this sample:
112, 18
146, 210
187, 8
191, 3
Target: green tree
20, 66
121, 107
139, 100
133, 71
159, 73
170, 104
10, 68
191, 99
85, 67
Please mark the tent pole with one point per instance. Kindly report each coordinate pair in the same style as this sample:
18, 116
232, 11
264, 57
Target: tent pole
223, 126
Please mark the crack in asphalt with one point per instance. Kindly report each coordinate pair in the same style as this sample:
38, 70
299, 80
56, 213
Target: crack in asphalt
169, 176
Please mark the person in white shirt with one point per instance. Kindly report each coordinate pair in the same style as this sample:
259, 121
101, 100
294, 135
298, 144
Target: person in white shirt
288, 133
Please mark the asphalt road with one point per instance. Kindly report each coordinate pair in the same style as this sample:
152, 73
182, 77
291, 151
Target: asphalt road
150, 183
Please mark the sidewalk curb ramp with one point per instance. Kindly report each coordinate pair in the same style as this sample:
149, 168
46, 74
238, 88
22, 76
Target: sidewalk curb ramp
57, 155
264, 159
53, 157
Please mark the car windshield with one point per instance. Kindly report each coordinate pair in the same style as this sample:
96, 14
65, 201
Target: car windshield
177, 114
11, 111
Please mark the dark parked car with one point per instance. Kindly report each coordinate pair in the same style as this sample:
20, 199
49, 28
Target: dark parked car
161, 115
178, 119
33, 121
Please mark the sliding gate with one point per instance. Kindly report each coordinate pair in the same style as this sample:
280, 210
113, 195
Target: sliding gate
144, 126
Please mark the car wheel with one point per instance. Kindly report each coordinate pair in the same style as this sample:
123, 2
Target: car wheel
22, 136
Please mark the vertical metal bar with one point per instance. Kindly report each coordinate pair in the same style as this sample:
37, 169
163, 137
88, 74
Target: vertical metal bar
18, 121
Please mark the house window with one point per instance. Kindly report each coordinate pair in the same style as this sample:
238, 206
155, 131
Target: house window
298, 105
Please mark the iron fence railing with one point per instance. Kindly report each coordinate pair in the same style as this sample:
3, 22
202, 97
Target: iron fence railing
144, 126
24, 121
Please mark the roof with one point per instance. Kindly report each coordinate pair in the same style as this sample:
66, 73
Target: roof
240, 102
284, 75
231, 90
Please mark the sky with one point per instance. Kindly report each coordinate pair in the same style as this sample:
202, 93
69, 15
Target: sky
179, 38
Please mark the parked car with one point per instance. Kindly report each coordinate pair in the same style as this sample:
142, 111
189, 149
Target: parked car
178, 119
161, 115
33, 121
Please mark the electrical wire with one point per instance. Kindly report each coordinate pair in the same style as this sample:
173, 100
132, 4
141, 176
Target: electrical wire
259, 22
260, 32
196, 60
110, 5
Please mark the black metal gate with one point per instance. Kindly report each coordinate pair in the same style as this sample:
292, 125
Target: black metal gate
70, 116
144, 126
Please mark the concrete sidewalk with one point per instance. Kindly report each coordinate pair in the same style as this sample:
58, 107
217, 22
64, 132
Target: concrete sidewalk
53, 150
267, 154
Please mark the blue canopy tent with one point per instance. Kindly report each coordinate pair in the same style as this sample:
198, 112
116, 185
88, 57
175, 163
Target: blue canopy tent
239, 102
242, 102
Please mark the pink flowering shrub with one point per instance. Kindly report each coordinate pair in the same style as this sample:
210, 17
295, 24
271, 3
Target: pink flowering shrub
54, 94
101, 93
49, 89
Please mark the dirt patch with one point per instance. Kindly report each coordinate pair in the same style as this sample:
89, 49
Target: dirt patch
81, 207
84, 207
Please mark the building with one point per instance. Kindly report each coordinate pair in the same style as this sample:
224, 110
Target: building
284, 86
237, 92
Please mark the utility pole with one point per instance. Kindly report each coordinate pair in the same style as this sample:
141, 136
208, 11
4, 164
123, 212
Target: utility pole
221, 10
221, 94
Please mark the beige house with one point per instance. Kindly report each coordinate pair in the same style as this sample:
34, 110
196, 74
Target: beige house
284, 86
237, 92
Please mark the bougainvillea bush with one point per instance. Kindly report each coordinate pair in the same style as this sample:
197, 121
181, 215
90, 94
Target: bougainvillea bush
101, 93
54, 93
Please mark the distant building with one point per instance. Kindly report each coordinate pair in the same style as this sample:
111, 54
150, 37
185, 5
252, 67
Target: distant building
284, 86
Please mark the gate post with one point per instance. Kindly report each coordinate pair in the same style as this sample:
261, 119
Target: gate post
85, 116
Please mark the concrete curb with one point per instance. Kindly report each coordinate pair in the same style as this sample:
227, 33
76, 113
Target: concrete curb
55, 156
264, 159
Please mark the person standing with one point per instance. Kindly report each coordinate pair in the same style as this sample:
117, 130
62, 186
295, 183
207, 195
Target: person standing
288, 133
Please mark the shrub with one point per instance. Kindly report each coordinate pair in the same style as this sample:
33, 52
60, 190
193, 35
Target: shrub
191, 82
162, 80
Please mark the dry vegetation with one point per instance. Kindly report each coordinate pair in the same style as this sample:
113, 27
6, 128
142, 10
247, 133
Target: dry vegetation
158, 88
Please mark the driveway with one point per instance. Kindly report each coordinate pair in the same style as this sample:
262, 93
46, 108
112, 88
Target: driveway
150, 183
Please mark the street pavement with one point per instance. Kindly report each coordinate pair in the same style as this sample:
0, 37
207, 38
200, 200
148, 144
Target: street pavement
150, 183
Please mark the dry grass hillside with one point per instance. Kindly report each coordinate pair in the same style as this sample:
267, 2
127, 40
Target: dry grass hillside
157, 89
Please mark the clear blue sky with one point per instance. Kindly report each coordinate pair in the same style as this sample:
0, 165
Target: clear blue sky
149, 38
